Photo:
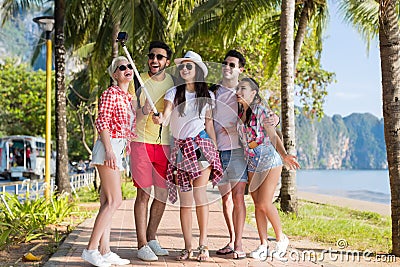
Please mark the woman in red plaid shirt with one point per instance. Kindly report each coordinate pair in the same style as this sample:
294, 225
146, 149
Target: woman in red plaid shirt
194, 155
266, 154
115, 124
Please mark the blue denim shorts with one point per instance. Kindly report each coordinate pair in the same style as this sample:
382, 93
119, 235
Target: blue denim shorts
234, 166
266, 157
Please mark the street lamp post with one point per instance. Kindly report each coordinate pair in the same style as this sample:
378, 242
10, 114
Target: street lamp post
47, 24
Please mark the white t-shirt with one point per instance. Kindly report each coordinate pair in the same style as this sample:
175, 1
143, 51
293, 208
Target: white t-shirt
226, 118
190, 124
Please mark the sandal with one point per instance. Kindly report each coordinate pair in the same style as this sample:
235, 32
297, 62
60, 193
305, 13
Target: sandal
238, 255
203, 255
225, 250
184, 255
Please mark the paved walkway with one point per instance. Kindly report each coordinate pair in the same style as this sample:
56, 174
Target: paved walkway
123, 239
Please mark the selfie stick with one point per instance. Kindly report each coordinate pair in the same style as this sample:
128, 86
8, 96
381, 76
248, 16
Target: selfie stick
122, 37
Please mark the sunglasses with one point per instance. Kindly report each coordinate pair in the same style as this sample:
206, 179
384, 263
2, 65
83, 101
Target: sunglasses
124, 67
232, 65
158, 56
187, 65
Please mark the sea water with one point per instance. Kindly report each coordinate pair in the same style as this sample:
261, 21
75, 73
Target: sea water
368, 185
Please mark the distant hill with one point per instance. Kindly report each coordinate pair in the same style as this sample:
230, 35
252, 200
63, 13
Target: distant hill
353, 142
19, 37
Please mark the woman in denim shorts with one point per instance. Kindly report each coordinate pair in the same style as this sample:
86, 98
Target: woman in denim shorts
115, 124
265, 152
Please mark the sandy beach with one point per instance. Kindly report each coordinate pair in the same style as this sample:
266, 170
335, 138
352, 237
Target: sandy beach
383, 209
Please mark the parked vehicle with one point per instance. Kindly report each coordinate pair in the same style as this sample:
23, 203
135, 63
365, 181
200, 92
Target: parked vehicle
24, 156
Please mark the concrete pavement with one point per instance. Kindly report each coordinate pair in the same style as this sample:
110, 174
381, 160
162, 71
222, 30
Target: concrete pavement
123, 241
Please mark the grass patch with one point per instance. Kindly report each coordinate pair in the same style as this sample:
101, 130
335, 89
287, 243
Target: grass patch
88, 195
128, 189
328, 224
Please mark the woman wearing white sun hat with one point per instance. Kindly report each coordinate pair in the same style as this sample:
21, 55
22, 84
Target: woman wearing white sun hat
188, 107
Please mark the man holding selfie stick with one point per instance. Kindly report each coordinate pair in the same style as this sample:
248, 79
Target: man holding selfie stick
149, 169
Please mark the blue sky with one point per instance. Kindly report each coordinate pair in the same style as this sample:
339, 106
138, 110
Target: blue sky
358, 87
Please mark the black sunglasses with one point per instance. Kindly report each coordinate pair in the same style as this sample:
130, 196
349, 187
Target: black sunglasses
158, 56
124, 67
187, 65
232, 65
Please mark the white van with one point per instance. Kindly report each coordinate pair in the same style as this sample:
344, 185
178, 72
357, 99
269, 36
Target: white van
24, 156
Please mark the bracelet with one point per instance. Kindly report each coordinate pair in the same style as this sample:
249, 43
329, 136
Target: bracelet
143, 112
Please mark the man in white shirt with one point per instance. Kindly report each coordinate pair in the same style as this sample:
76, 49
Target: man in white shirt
233, 184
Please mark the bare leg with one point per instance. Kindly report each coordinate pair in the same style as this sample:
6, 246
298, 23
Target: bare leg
156, 211
186, 201
264, 209
140, 211
239, 213
202, 205
227, 209
111, 191
104, 240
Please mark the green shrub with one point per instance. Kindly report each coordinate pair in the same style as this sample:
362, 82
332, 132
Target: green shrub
26, 221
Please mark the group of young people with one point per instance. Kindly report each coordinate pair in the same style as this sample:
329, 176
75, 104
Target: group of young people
224, 133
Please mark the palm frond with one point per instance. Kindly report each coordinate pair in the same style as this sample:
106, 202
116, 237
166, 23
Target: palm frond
10, 7
84, 51
363, 15
38, 47
83, 20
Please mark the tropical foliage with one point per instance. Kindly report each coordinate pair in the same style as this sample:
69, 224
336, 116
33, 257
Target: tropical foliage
29, 220
23, 99
89, 26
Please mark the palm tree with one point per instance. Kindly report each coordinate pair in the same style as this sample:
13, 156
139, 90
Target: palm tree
62, 176
385, 14
389, 40
288, 189
308, 10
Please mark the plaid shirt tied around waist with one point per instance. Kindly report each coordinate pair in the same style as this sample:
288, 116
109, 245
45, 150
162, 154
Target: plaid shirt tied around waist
188, 169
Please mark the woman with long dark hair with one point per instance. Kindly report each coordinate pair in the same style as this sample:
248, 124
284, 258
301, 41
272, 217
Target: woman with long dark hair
188, 107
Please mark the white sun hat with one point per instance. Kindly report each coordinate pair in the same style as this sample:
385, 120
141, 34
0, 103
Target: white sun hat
194, 57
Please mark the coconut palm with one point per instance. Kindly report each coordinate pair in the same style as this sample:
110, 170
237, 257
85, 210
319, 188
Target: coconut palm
62, 175
288, 197
381, 18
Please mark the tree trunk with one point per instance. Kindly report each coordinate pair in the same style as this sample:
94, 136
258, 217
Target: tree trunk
302, 30
62, 177
116, 29
389, 40
288, 189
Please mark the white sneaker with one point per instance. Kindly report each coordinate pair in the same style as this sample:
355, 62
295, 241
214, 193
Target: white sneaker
113, 258
261, 253
282, 245
94, 257
157, 249
146, 254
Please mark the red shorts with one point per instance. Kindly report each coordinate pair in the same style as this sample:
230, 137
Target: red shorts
149, 164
